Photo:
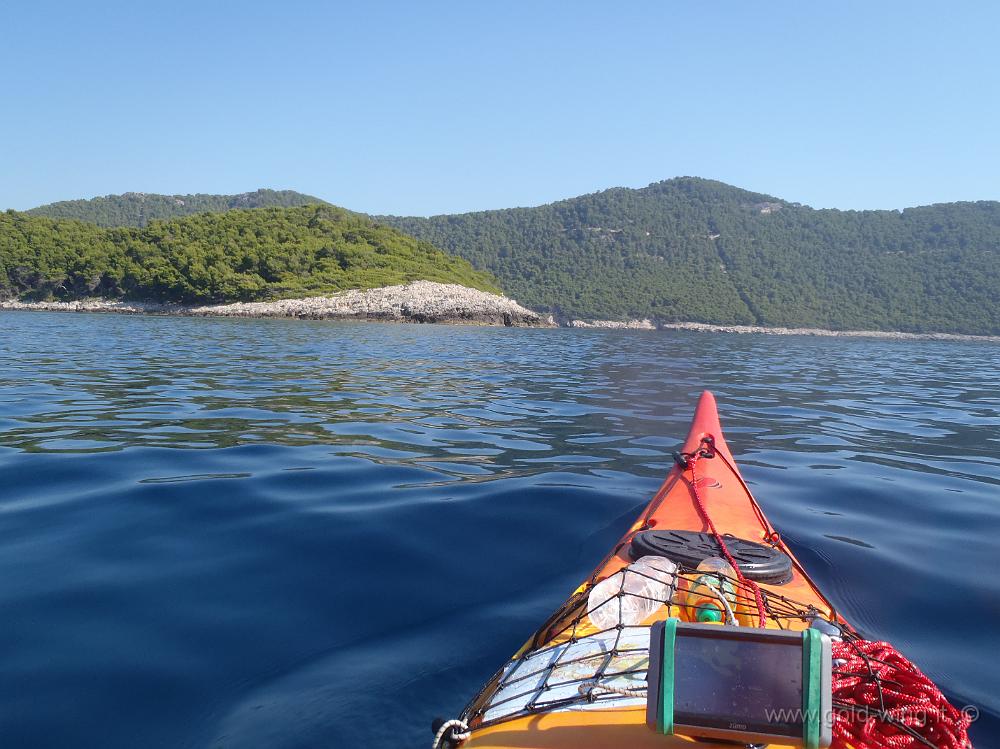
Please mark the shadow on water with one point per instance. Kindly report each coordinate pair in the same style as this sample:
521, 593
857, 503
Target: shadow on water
268, 533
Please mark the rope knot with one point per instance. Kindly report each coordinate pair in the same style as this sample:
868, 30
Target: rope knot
450, 733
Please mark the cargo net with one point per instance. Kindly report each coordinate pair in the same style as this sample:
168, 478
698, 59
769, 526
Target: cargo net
594, 652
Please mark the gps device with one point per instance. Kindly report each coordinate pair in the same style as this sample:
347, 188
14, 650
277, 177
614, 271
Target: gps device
739, 684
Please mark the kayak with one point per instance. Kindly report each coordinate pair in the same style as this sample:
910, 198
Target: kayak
574, 684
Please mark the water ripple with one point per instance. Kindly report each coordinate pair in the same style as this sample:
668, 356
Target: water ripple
249, 532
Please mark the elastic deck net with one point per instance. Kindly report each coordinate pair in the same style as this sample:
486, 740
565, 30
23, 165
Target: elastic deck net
571, 664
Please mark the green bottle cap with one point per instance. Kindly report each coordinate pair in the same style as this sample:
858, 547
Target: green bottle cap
708, 612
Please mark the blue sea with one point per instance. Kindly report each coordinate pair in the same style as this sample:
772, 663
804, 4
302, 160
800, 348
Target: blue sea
278, 533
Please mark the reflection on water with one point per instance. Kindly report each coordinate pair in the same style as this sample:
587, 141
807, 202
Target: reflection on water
260, 533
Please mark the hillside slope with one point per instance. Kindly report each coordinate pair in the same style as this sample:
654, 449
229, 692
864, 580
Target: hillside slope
698, 250
139, 208
240, 255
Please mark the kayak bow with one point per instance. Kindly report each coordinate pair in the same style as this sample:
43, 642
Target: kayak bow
573, 685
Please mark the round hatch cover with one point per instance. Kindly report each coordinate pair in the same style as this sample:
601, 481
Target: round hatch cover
756, 561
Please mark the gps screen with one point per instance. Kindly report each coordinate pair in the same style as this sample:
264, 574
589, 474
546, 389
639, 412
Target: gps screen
742, 685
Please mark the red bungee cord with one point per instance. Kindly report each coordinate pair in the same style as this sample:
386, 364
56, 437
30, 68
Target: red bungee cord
699, 503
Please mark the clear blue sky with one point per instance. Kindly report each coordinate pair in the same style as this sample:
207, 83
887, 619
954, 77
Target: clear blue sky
423, 107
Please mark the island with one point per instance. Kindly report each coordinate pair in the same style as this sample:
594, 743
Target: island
684, 253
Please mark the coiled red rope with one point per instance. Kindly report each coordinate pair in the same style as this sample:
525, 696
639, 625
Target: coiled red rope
882, 700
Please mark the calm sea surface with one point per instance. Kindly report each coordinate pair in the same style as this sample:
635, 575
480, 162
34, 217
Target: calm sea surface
268, 533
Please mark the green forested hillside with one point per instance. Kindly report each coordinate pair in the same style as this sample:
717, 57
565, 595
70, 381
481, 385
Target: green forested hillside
139, 208
696, 250
212, 257
685, 249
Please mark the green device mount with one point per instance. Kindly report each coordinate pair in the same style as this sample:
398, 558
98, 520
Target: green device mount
812, 731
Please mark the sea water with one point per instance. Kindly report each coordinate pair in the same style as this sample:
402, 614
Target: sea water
278, 533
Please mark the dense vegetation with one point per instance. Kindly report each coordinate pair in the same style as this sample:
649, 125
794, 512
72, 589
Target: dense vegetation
139, 208
693, 249
683, 249
238, 255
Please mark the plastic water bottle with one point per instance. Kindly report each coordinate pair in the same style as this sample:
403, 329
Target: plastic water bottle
701, 601
632, 594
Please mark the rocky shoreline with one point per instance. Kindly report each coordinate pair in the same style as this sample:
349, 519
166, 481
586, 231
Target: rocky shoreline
613, 324
431, 302
417, 302
822, 332
700, 327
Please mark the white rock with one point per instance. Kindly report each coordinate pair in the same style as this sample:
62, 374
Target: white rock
419, 301
616, 324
